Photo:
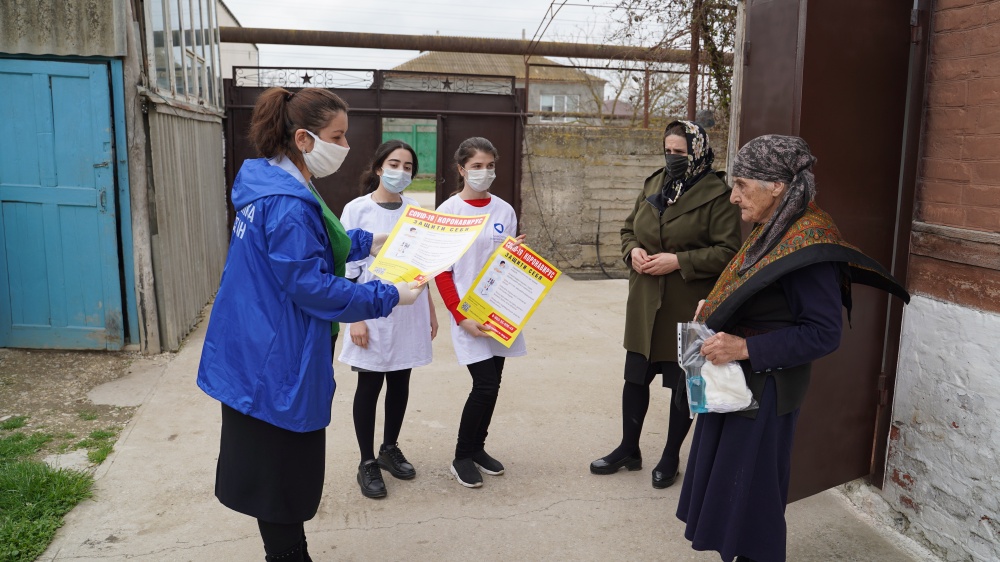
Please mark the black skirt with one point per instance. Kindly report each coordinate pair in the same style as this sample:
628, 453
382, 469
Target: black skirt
640, 371
268, 472
736, 485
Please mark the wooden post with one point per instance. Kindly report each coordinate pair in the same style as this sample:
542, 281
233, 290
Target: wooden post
645, 99
696, 15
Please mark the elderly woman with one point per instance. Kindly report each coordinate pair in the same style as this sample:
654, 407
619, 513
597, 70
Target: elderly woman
679, 237
776, 309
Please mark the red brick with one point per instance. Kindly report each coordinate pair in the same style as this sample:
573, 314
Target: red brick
985, 172
966, 285
943, 214
941, 5
984, 40
960, 19
983, 219
989, 120
943, 147
945, 170
950, 120
984, 91
981, 148
930, 191
955, 69
981, 195
949, 45
947, 94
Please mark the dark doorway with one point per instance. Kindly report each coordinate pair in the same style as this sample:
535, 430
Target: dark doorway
835, 73
463, 106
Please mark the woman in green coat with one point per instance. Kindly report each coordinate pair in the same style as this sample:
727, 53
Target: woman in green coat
680, 236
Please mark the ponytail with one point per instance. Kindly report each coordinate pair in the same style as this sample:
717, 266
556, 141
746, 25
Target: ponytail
278, 113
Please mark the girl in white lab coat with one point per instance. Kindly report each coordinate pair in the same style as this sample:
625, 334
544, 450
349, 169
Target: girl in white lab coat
476, 161
385, 349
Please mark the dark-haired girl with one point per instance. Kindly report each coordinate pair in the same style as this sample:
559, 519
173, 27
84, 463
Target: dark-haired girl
385, 349
475, 160
267, 354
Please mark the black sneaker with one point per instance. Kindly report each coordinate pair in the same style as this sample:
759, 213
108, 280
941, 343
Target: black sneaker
466, 473
392, 459
370, 480
487, 464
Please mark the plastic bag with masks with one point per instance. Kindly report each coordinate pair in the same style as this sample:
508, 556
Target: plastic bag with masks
711, 388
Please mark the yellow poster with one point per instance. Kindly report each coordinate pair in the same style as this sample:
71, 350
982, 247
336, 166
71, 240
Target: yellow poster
508, 290
424, 243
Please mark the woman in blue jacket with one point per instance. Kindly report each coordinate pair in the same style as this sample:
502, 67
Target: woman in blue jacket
267, 356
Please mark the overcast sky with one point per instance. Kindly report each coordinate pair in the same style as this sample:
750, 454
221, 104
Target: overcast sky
577, 21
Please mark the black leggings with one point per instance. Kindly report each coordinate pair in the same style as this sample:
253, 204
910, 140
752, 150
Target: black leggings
635, 404
285, 540
397, 393
478, 411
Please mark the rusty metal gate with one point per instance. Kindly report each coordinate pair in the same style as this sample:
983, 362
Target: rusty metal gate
835, 73
464, 106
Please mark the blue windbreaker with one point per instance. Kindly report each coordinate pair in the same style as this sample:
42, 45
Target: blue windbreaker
267, 351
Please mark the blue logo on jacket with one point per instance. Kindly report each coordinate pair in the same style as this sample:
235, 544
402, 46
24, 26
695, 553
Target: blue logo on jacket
498, 227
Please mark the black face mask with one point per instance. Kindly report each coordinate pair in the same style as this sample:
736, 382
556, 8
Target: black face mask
677, 165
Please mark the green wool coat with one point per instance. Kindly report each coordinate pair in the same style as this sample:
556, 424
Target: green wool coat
703, 229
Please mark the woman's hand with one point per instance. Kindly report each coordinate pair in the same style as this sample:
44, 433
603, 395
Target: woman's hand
723, 348
661, 264
475, 329
639, 257
359, 334
520, 239
434, 325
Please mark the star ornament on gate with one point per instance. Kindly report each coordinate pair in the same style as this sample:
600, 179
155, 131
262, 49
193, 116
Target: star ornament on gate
446, 84
306, 79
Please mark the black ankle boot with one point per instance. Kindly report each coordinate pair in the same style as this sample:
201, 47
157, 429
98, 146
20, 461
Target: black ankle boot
294, 554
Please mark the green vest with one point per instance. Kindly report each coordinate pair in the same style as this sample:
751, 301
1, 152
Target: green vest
339, 240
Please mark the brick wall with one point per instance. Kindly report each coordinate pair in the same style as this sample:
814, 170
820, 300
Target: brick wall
577, 179
942, 487
959, 176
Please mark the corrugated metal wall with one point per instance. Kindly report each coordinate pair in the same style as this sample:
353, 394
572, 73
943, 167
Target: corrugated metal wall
63, 27
189, 238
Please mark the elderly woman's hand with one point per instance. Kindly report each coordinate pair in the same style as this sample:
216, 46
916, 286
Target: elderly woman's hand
723, 348
661, 264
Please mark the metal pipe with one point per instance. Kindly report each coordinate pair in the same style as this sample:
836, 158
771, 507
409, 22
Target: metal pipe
449, 44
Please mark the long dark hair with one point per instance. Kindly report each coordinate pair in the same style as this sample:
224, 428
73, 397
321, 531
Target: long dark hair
279, 113
468, 149
370, 179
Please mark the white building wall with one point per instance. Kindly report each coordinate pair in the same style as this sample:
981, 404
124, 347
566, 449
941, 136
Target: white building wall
943, 474
235, 54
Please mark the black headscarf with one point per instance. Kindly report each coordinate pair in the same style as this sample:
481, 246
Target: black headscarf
700, 158
777, 158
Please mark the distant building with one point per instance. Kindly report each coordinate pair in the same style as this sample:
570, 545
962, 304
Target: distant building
235, 54
551, 88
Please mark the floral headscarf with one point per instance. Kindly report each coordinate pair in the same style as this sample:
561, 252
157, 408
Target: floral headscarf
784, 159
700, 158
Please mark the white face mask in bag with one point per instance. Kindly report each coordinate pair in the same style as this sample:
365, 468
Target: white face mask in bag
480, 180
325, 158
395, 180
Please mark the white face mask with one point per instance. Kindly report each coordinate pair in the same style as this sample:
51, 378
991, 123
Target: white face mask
480, 180
325, 158
395, 181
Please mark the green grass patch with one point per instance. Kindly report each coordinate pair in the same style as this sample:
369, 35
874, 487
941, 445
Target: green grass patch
88, 415
422, 184
33, 497
101, 452
16, 422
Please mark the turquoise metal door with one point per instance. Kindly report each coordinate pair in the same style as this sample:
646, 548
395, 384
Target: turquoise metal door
59, 272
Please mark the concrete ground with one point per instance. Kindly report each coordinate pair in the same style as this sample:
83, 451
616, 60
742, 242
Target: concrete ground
558, 410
